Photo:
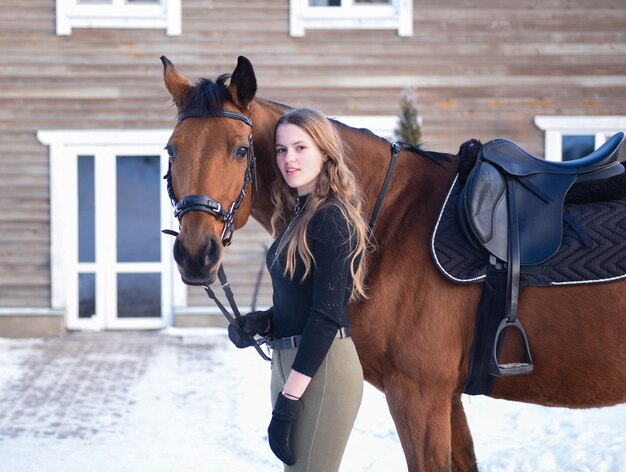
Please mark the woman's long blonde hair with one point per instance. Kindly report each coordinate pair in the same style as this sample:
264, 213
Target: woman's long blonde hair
336, 185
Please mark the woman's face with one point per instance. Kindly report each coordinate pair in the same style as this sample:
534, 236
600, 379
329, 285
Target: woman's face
298, 157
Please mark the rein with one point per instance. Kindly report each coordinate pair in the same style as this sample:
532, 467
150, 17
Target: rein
237, 314
215, 208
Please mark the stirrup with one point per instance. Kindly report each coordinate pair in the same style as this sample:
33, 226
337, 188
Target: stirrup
512, 368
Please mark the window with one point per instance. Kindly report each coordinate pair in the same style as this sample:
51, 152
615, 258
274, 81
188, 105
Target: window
351, 14
383, 125
577, 146
160, 14
572, 137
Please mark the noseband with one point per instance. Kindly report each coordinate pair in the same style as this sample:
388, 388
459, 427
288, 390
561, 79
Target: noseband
210, 205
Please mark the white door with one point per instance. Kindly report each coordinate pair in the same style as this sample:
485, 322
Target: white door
111, 267
120, 278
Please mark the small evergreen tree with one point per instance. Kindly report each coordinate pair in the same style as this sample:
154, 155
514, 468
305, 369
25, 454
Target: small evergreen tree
408, 129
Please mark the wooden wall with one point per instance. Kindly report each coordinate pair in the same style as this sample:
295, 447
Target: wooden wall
480, 69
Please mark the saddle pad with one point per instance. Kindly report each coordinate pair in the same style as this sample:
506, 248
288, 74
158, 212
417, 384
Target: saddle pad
574, 263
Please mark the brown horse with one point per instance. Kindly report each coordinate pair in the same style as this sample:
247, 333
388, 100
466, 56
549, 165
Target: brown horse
414, 332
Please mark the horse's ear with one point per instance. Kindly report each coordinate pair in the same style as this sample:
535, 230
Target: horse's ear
177, 84
243, 83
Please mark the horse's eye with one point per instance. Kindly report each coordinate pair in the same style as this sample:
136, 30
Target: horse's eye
170, 152
241, 151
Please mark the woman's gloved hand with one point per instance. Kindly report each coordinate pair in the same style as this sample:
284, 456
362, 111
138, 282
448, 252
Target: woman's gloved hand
284, 416
256, 322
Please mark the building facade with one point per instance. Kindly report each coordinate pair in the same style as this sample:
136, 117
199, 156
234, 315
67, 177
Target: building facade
84, 117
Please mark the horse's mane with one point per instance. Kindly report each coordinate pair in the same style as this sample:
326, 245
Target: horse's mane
207, 98
435, 157
438, 158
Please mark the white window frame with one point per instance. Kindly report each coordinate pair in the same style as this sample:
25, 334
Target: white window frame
601, 127
397, 15
164, 14
381, 125
65, 147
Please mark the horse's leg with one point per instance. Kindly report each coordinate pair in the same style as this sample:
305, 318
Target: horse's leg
422, 419
463, 457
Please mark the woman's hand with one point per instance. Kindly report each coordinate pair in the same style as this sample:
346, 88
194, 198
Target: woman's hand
256, 322
284, 416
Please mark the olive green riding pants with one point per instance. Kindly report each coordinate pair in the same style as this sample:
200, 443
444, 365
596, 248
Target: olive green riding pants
331, 403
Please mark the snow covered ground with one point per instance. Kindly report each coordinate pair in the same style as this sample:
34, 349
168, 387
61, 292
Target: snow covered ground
202, 405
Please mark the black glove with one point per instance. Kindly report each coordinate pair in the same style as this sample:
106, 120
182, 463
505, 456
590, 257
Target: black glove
283, 417
257, 322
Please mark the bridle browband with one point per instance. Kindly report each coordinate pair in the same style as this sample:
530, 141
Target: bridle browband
210, 205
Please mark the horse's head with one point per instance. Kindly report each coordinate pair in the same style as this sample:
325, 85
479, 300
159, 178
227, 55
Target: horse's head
211, 170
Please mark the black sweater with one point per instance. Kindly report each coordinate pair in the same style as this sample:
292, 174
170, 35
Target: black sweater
314, 307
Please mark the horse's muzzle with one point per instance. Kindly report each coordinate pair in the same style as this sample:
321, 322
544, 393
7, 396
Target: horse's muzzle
198, 267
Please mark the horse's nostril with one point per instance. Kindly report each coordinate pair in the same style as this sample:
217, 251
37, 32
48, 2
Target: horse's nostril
212, 251
179, 252
207, 253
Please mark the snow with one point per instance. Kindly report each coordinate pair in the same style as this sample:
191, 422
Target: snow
203, 405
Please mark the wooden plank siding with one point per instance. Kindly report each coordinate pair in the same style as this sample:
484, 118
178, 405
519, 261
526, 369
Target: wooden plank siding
480, 69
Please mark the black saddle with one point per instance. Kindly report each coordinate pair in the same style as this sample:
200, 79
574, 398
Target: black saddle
512, 206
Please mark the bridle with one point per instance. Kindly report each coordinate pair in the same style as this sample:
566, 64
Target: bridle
210, 205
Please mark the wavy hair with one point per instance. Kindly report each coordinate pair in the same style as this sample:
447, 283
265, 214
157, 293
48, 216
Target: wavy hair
335, 185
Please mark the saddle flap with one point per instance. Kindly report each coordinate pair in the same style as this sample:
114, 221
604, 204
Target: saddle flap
539, 203
484, 205
540, 218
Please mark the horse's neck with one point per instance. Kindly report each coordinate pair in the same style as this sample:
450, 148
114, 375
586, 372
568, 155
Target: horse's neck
418, 184
370, 155
371, 158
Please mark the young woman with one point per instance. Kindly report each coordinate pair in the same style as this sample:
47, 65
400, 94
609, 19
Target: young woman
316, 264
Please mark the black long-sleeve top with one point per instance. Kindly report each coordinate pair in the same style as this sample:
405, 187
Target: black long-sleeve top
313, 307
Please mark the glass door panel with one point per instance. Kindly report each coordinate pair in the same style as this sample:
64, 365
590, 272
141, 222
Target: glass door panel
137, 280
139, 295
138, 209
86, 210
86, 295
86, 237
